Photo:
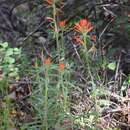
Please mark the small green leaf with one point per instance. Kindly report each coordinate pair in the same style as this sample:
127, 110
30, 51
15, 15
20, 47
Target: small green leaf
17, 51
112, 66
9, 60
14, 72
4, 44
9, 52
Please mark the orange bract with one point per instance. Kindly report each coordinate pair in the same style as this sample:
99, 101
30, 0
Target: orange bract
83, 26
61, 24
78, 40
47, 61
94, 38
49, 2
61, 66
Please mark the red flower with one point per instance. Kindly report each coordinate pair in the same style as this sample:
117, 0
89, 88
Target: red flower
47, 61
83, 26
49, 2
62, 24
61, 66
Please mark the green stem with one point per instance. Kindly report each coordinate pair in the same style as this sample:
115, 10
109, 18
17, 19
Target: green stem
87, 56
85, 42
64, 91
46, 106
46, 98
56, 30
62, 41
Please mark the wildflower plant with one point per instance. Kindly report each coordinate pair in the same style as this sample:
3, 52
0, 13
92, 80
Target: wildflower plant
52, 93
84, 27
58, 27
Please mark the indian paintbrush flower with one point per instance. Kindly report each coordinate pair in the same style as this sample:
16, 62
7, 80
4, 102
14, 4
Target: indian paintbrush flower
62, 24
61, 66
83, 26
47, 61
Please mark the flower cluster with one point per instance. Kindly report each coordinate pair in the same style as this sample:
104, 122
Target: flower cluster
62, 24
83, 26
61, 66
47, 61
